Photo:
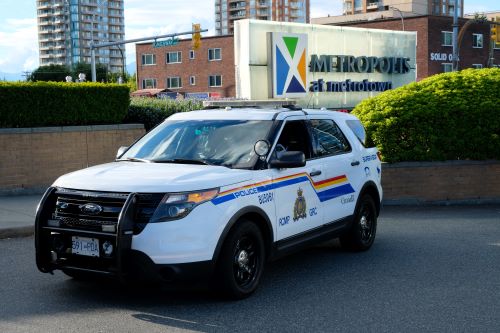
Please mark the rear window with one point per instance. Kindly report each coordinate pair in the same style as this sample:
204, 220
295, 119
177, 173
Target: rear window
358, 129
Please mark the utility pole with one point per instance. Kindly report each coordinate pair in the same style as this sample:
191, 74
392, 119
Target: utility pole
455, 37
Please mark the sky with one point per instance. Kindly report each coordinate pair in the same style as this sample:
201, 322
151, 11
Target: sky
143, 18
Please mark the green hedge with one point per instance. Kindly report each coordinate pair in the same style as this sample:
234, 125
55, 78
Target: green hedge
152, 111
27, 104
450, 116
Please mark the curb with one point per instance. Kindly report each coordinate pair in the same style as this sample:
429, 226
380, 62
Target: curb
17, 232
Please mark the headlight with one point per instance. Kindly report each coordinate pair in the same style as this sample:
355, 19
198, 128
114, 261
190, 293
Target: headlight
175, 206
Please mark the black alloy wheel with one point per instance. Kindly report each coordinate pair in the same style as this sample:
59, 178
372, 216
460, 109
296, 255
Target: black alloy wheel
241, 262
245, 261
361, 235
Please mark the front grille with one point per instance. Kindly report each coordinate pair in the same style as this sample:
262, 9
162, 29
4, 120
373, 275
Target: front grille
69, 212
104, 209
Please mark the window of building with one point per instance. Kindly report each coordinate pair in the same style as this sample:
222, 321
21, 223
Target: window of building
446, 38
174, 57
447, 67
148, 83
192, 80
174, 82
477, 66
328, 138
191, 54
215, 81
214, 54
148, 59
477, 41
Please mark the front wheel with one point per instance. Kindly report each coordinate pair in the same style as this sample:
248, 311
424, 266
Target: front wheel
361, 235
241, 261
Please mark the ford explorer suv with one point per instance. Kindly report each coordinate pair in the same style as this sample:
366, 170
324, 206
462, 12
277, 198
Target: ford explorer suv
214, 194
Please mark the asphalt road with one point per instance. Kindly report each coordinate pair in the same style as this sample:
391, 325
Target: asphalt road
430, 270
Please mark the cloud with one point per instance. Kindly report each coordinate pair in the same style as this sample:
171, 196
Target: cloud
19, 46
322, 8
151, 18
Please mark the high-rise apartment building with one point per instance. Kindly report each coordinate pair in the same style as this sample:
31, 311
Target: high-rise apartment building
66, 28
419, 7
228, 11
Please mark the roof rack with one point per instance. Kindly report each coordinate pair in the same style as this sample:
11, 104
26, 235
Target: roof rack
246, 103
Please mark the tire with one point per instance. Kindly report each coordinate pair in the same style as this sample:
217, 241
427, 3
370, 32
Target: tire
241, 261
361, 235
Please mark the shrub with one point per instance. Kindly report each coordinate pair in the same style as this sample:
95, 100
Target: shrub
450, 116
50, 73
27, 104
152, 111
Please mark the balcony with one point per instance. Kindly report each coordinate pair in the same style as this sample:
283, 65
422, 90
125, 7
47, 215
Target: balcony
237, 7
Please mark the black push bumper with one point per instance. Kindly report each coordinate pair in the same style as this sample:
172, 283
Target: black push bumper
53, 248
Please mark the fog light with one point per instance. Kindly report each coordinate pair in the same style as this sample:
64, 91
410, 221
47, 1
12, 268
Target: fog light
57, 244
107, 247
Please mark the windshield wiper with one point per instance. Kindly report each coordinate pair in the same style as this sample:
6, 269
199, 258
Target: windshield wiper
184, 161
134, 159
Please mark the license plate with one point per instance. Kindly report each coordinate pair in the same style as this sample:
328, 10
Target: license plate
85, 246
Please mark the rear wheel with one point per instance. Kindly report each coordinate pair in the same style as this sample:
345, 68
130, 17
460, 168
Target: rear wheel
241, 261
361, 235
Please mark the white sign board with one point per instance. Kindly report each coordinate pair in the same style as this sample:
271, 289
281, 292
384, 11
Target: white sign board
317, 65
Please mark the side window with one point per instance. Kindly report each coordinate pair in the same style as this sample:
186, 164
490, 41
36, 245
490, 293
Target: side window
294, 137
328, 138
358, 130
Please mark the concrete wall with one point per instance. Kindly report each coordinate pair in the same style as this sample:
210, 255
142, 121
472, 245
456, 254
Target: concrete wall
32, 158
441, 182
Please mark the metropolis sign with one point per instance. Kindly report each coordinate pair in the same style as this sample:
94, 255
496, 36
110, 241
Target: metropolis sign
290, 68
320, 65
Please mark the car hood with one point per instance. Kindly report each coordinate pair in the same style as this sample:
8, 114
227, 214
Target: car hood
151, 177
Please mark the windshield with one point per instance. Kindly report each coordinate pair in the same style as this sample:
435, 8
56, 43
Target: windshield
216, 142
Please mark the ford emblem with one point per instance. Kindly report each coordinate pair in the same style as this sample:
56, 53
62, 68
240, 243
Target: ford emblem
90, 209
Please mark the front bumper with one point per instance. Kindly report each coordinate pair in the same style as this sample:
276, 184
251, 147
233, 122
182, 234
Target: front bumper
53, 245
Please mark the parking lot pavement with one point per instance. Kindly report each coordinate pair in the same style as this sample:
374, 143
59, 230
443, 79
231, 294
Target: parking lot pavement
431, 269
17, 215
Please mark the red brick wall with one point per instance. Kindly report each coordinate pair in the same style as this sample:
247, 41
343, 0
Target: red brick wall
455, 181
36, 157
200, 67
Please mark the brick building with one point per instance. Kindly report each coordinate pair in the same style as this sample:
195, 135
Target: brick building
174, 65
434, 42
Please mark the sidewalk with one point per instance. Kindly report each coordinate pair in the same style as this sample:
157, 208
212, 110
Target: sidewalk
17, 215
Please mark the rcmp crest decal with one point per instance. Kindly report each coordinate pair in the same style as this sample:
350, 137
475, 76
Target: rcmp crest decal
300, 207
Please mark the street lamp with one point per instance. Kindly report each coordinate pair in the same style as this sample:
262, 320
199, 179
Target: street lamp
400, 14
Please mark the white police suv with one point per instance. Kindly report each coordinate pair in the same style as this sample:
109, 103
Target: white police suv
215, 193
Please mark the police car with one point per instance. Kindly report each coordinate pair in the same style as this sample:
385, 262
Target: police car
215, 194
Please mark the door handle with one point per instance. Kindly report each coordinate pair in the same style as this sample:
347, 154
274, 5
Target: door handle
355, 163
315, 173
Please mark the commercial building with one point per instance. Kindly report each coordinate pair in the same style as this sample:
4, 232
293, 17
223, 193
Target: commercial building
66, 28
418, 7
228, 11
174, 65
434, 40
369, 10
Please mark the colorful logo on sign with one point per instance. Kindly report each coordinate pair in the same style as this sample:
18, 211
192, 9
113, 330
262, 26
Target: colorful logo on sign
289, 64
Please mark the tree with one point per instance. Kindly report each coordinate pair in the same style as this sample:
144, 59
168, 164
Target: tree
101, 71
50, 73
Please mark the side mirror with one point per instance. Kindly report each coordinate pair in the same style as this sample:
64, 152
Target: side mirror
121, 150
289, 159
